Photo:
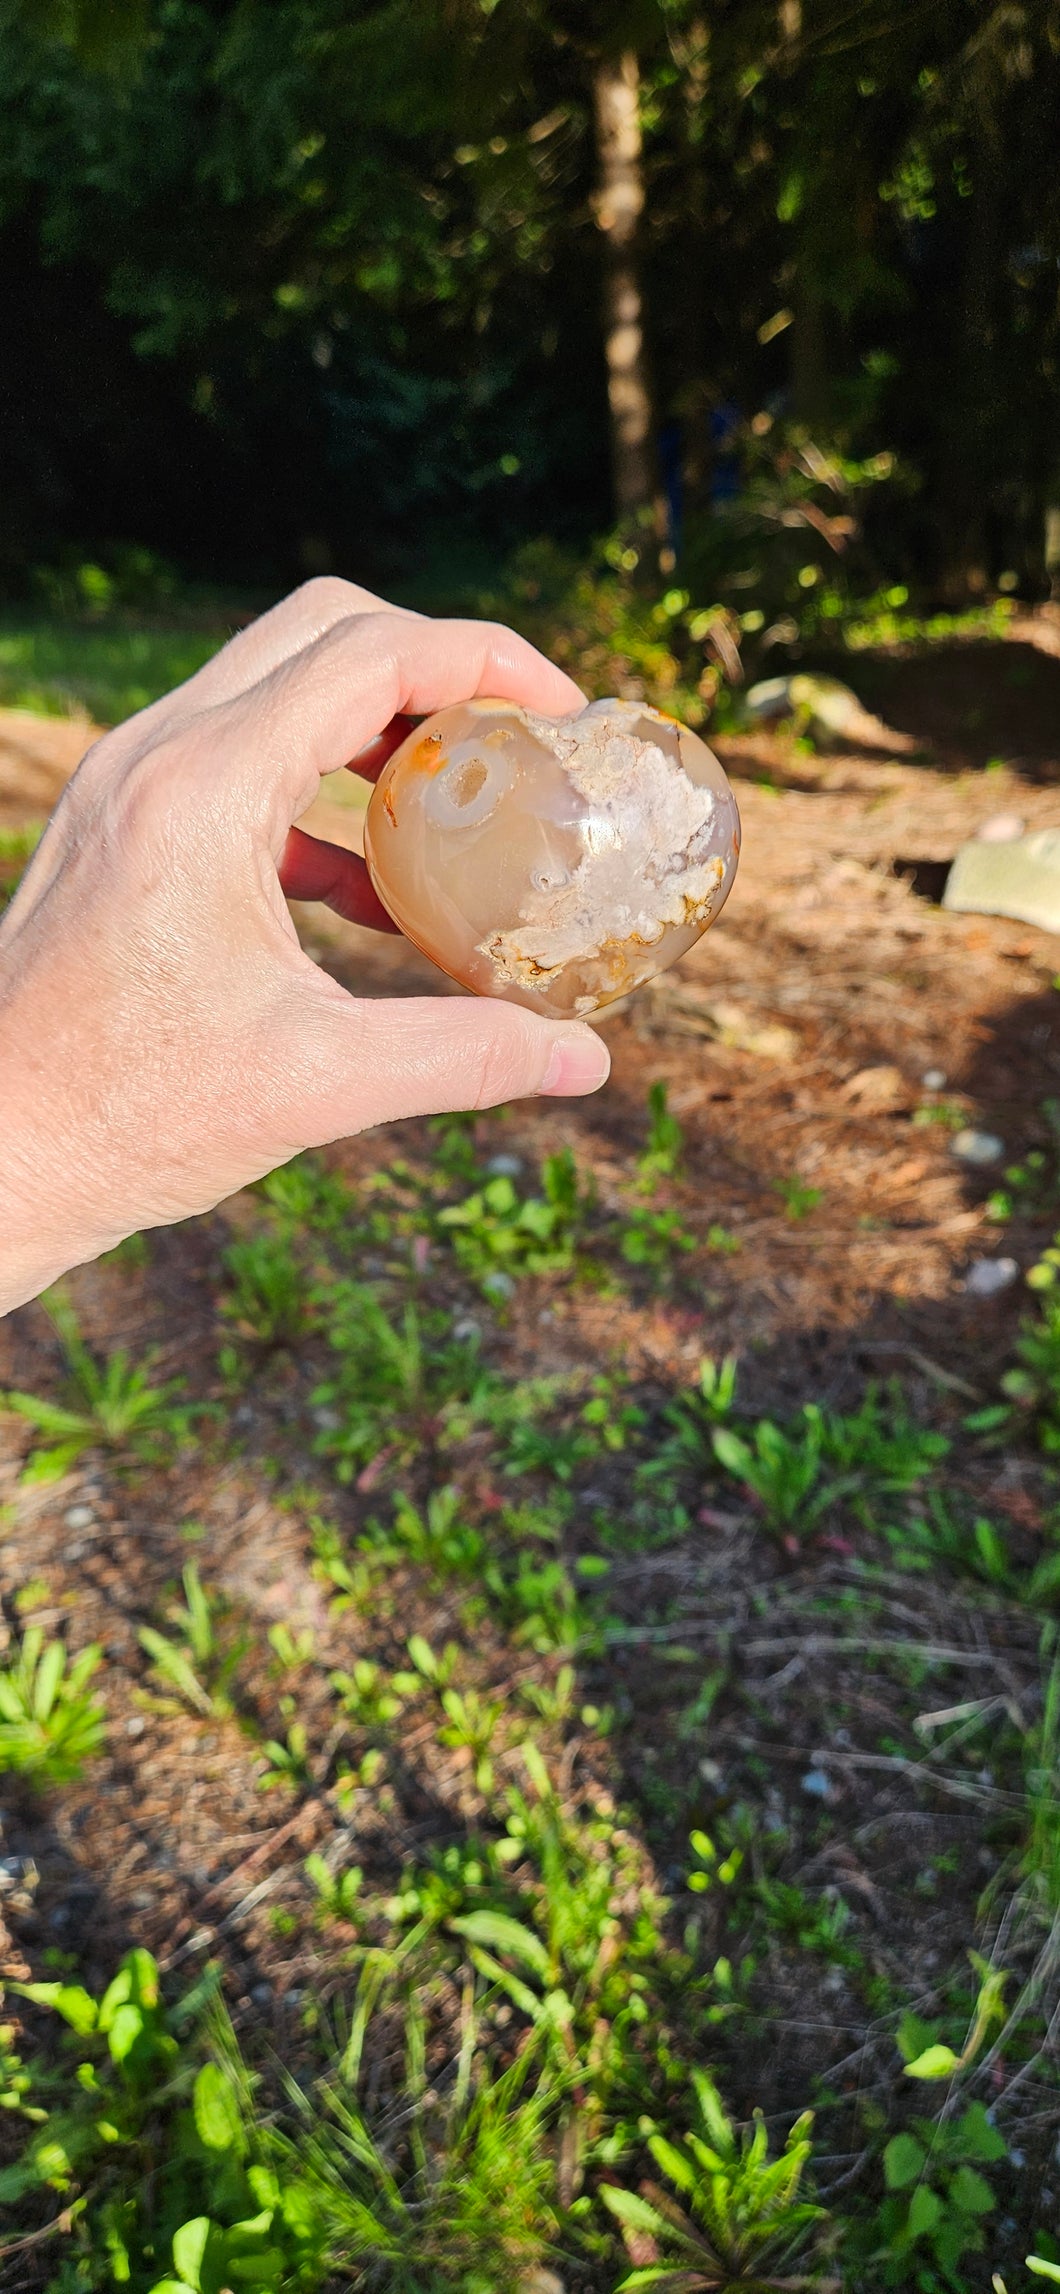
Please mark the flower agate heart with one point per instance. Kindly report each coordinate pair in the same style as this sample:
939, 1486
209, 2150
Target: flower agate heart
558, 862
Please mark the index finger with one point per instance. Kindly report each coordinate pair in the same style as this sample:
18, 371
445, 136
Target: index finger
314, 712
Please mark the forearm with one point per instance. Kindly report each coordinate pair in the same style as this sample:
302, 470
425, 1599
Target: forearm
51, 1215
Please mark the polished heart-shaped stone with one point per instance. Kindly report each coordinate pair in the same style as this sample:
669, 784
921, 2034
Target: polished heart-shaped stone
558, 862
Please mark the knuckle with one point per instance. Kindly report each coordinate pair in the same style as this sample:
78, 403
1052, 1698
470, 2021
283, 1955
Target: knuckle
503, 1065
326, 598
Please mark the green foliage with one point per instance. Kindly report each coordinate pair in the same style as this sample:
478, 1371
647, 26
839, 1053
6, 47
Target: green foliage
938, 2197
287, 1761
782, 1469
469, 2201
740, 2221
17, 846
52, 665
302, 1194
49, 1723
471, 1725
661, 1158
112, 1404
649, 1238
390, 1377
267, 1295
798, 1199
498, 1234
1035, 1384
197, 1665
693, 1416
181, 2195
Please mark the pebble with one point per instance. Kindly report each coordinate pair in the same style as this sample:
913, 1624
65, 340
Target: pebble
986, 1277
499, 1284
934, 1079
978, 1148
261, 1994
505, 1166
79, 1517
817, 1783
327, 1420
467, 1327
135, 1726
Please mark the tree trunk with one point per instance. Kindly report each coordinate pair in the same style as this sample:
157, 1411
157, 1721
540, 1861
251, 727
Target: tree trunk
619, 200
973, 414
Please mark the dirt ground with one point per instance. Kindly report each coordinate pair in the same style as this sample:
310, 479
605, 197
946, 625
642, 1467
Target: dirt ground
795, 1042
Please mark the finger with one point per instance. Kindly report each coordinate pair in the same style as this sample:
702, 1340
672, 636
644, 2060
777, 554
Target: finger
316, 710
358, 1061
312, 869
369, 761
287, 628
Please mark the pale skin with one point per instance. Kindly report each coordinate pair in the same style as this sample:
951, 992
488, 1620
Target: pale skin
164, 1040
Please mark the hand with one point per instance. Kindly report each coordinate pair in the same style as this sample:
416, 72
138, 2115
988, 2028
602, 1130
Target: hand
163, 1037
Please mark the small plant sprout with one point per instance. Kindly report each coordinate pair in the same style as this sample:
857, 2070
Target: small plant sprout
740, 2221
710, 1868
471, 1725
662, 1156
798, 1199
292, 1650
195, 1665
266, 1298
925, 2054
49, 1724
371, 1697
337, 1893
287, 1761
938, 2195
782, 1469
110, 1405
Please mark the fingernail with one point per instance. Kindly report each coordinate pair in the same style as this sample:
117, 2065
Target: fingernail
579, 1063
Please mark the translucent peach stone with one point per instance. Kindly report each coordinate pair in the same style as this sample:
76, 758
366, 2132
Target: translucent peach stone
559, 862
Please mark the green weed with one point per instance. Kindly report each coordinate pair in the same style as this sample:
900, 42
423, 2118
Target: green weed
17, 846
650, 1238
782, 1469
303, 1196
498, 1234
741, 2223
267, 1297
798, 1199
1034, 1386
392, 1379
154, 2151
937, 2199
49, 1723
661, 1158
112, 1404
458, 2192
287, 1761
197, 1664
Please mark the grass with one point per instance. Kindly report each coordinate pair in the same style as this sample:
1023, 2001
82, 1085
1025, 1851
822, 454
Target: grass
539, 2007
107, 670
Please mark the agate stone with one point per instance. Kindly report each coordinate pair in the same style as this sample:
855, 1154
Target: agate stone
558, 862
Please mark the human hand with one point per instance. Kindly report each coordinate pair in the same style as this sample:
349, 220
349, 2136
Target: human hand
163, 1038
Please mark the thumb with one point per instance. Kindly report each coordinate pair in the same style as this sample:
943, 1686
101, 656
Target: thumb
362, 1060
